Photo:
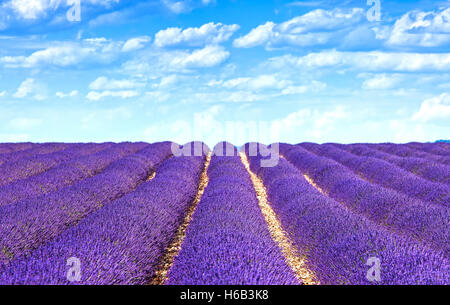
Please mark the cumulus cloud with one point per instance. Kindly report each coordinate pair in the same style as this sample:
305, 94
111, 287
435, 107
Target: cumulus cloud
124, 94
423, 29
208, 56
313, 86
257, 36
104, 83
177, 7
210, 33
232, 96
381, 81
313, 28
265, 81
25, 88
64, 95
120, 88
257, 88
184, 6
54, 11
158, 96
242, 96
366, 61
157, 62
167, 81
434, 108
67, 54
135, 43
313, 123
31, 9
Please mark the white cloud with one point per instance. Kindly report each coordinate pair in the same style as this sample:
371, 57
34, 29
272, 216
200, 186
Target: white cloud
26, 87
295, 90
327, 118
316, 27
434, 108
157, 63
251, 89
403, 132
167, 81
366, 61
314, 124
424, 29
135, 43
31, 9
242, 97
304, 3
64, 95
209, 33
209, 56
158, 96
2, 93
294, 119
184, 6
214, 82
103, 83
232, 96
205, 126
314, 86
260, 82
381, 81
257, 36
96, 96
264, 81
177, 7
35, 10
104, 3
66, 54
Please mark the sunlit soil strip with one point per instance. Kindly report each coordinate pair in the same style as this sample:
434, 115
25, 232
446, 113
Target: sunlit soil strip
310, 181
152, 175
290, 253
175, 246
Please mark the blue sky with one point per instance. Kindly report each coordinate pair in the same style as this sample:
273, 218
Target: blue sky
291, 71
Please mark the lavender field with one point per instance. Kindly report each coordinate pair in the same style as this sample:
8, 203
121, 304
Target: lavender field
139, 213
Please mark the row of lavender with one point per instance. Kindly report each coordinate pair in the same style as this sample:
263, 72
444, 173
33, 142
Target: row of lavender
386, 174
228, 241
394, 210
336, 241
121, 242
65, 174
428, 169
405, 150
35, 149
27, 224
